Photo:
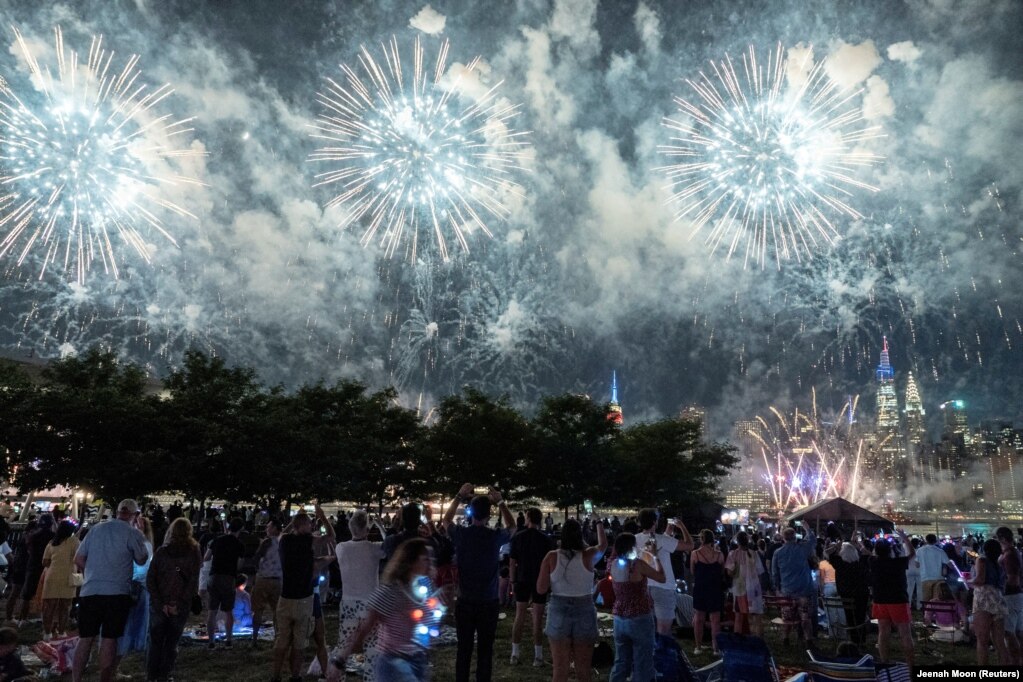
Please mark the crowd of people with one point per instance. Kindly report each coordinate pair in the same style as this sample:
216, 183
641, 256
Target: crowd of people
136, 578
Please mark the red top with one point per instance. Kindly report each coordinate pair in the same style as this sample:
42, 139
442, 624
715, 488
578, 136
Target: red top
631, 598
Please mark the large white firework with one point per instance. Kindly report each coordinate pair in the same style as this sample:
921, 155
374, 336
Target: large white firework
85, 162
763, 161
413, 153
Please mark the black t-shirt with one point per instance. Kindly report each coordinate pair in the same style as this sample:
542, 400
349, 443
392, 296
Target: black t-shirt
296, 566
528, 548
227, 550
850, 578
888, 580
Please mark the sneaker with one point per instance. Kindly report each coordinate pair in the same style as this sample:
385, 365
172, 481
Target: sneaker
715, 653
697, 651
514, 660
47, 636
537, 662
211, 645
227, 644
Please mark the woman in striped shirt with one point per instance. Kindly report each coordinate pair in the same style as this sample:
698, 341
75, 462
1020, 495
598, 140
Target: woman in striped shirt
407, 613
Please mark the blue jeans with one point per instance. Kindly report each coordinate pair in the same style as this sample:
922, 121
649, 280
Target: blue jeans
164, 634
391, 668
634, 649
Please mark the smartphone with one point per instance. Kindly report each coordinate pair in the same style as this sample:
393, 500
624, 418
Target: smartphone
481, 490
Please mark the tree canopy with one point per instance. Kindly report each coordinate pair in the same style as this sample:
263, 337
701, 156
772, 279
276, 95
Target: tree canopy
216, 432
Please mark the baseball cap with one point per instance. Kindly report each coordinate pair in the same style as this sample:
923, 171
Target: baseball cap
128, 505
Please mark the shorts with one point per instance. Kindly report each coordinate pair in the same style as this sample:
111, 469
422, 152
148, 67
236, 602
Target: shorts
265, 593
896, 613
931, 590
989, 599
1014, 613
526, 592
294, 623
221, 591
103, 614
664, 603
572, 618
392, 668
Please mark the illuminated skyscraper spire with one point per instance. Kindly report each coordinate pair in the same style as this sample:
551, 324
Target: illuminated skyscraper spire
891, 451
916, 430
614, 409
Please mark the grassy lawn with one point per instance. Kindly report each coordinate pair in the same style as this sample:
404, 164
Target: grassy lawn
196, 664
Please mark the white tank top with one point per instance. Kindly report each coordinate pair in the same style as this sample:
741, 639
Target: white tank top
570, 577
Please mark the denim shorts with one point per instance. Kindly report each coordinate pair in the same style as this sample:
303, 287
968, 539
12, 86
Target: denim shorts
571, 618
1014, 617
392, 668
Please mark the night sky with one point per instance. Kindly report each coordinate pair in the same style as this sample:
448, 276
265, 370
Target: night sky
590, 272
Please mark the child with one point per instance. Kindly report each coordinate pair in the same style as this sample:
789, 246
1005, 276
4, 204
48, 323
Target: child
11, 667
945, 620
242, 603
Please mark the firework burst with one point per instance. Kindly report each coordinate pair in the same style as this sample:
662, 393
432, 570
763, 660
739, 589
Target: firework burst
408, 159
83, 170
763, 164
807, 459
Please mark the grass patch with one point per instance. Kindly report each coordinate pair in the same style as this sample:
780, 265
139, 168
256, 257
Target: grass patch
197, 664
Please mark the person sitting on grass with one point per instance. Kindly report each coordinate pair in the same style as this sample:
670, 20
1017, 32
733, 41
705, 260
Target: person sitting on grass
11, 666
242, 603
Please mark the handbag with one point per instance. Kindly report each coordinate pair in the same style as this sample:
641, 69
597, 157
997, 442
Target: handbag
75, 579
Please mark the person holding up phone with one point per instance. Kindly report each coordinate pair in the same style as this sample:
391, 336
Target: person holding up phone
477, 553
663, 545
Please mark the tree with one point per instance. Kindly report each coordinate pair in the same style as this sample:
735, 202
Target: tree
211, 412
17, 398
477, 439
385, 447
91, 425
667, 464
574, 438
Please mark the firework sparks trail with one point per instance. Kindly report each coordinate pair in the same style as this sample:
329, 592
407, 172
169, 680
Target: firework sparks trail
407, 161
807, 460
765, 163
83, 172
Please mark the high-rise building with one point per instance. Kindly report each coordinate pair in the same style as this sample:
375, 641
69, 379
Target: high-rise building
916, 433
956, 421
890, 453
748, 434
694, 413
614, 409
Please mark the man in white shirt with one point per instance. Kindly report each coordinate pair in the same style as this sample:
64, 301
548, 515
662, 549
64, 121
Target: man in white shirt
663, 545
931, 558
106, 556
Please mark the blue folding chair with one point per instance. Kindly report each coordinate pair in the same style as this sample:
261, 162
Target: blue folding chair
746, 659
